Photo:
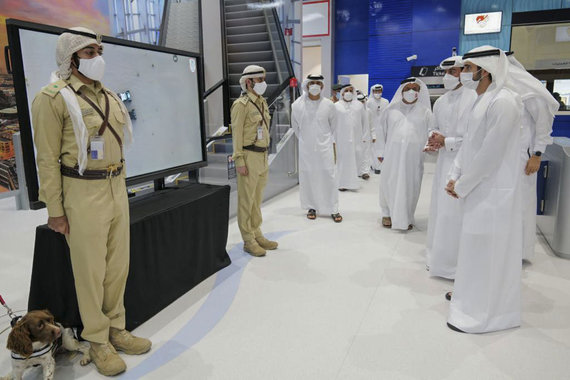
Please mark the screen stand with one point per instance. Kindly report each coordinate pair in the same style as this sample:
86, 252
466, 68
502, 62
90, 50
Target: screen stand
159, 184
193, 176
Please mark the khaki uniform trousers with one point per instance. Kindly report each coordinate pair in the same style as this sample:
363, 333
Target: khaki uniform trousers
98, 216
250, 195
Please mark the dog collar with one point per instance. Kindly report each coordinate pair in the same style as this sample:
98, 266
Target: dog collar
37, 353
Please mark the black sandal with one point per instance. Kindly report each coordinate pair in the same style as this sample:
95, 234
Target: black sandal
337, 217
312, 214
448, 296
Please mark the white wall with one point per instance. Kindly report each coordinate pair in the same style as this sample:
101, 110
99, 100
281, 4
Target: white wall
312, 61
327, 54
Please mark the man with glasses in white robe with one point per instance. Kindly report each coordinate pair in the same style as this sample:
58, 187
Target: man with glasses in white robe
405, 127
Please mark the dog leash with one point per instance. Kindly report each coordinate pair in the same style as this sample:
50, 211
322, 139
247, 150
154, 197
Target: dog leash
14, 318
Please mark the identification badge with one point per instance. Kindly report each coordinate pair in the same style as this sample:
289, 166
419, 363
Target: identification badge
260, 133
97, 145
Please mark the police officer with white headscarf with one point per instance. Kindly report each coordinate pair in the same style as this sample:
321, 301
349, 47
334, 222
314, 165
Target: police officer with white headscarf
250, 133
79, 131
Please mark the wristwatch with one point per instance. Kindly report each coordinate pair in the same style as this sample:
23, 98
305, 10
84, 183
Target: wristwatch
538, 154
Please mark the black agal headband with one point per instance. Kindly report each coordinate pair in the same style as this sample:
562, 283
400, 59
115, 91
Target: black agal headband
484, 53
253, 73
408, 80
315, 77
96, 37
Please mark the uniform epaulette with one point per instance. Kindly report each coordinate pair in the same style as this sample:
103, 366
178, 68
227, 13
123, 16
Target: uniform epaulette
243, 99
53, 89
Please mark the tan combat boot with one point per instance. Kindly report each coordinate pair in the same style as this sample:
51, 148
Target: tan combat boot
266, 244
106, 359
253, 248
124, 341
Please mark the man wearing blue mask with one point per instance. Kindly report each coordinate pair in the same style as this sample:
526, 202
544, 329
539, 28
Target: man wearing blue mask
485, 176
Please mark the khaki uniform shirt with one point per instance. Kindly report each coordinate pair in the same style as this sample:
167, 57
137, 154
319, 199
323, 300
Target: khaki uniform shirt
55, 141
245, 120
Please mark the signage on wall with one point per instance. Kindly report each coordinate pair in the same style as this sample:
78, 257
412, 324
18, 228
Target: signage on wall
427, 71
481, 23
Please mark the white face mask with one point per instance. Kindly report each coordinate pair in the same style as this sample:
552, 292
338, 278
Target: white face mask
260, 88
93, 68
314, 89
468, 82
377, 96
410, 96
450, 81
348, 96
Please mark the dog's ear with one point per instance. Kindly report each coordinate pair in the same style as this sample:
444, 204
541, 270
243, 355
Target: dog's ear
49, 314
19, 340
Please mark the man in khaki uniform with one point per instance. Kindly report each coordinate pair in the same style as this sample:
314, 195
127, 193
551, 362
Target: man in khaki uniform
78, 132
250, 131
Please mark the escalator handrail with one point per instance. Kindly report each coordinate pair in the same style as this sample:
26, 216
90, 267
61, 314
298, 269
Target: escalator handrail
283, 44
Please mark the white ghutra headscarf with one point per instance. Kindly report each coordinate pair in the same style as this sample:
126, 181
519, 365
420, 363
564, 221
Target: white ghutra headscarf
69, 43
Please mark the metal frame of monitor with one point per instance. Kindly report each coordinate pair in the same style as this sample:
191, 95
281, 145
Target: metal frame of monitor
15, 65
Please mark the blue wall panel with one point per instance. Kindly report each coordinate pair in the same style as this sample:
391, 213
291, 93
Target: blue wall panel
351, 37
565, 4
535, 5
390, 42
351, 58
434, 46
561, 126
436, 15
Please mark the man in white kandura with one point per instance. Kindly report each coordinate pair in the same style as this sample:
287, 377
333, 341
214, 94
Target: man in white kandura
537, 118
486, 176
444, 223
405, 127
349, 128
313, 120
376, 106
363, 149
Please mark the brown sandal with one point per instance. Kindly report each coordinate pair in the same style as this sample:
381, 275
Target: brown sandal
387, 222
312, 214
337, 217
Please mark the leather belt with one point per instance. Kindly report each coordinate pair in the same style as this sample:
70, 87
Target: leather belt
254, 148
110, 172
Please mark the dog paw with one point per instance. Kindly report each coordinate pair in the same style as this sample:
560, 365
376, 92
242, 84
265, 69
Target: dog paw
86, 359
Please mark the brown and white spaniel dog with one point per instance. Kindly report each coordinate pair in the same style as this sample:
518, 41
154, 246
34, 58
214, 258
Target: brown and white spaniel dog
34, 340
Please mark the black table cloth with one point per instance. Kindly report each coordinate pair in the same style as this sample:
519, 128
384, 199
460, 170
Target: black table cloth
178, 239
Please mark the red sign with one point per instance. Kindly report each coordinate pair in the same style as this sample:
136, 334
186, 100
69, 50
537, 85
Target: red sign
293, 82
288, 31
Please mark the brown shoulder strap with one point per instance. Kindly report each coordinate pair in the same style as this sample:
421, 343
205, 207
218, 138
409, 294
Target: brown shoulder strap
104, 116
